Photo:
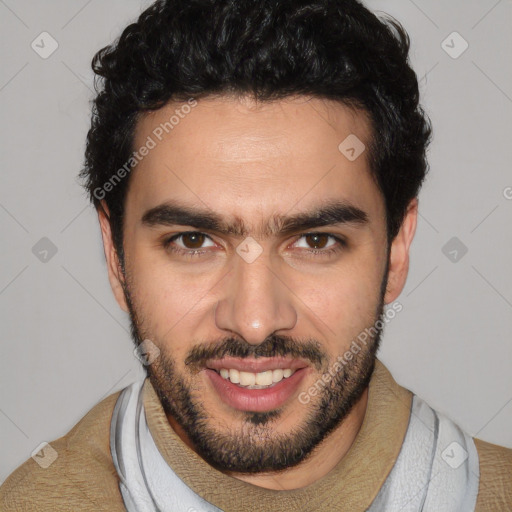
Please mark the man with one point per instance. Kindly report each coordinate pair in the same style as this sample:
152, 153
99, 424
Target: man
256, 167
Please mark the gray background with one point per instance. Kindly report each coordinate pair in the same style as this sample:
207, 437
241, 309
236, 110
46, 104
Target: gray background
65, 342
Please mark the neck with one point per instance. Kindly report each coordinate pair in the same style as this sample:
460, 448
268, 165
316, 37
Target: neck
320, 462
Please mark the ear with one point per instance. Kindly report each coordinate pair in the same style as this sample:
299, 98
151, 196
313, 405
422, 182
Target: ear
115, 274
399, 254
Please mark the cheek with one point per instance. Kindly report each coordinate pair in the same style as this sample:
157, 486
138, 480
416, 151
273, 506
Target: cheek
342, 303
171, 304
166, 297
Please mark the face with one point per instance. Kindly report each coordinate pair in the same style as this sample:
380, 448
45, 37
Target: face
255, 253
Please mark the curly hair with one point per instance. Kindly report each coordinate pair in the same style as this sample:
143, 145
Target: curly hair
270, 49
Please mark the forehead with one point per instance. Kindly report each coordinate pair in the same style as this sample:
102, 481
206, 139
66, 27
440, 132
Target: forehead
246, 159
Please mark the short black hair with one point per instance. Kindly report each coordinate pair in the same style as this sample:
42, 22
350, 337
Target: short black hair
270, 49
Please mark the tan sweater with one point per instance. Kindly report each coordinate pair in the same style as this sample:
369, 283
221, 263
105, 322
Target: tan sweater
83, 478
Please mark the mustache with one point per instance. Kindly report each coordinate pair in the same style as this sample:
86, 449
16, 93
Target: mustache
272, 346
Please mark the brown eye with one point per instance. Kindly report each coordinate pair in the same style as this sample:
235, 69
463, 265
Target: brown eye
189, 243
193, 240
320, 244
317, 240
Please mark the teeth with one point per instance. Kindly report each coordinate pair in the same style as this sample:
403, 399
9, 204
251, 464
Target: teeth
256, 380
234, 376
264, 378
247, 379
277, 375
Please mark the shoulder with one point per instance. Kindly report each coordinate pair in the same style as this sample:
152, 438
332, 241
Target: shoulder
495, 491
495, 467
81, 477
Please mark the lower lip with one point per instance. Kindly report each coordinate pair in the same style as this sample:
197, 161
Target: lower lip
256, 400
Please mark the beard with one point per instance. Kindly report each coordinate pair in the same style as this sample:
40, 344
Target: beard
256, 446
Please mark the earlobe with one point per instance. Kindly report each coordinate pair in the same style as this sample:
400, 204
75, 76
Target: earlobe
115, 274
399, 254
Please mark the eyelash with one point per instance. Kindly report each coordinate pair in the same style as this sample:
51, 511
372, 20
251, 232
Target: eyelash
167, 244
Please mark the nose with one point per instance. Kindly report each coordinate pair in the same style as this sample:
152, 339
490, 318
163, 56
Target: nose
255, 302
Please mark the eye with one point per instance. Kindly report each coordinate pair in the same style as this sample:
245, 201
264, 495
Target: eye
319, 240
191, 242
318, 243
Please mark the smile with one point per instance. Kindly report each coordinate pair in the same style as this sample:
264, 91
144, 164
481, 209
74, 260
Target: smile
259, 380
257, 385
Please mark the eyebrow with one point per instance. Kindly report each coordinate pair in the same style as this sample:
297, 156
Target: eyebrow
329, 213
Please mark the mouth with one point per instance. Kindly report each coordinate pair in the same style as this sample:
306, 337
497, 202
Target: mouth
256, 385
250, 380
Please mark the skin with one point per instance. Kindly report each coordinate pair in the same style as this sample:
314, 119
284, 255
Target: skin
241, 159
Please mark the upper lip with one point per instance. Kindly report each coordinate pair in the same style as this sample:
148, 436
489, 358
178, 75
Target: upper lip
258, 365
